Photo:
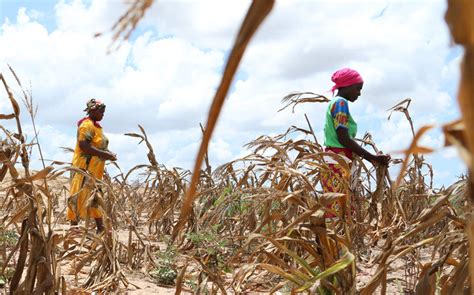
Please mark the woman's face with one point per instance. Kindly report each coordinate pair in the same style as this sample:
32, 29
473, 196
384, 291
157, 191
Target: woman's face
97, 114
351, 93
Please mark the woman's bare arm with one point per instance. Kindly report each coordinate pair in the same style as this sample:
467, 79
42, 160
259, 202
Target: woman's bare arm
87, 148
345, 140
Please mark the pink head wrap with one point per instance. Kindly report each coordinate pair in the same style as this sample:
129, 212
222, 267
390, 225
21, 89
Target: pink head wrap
345, 77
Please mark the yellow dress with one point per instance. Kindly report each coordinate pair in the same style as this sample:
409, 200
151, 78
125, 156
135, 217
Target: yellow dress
81, 187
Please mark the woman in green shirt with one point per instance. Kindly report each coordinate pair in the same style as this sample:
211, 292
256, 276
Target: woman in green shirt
339, 132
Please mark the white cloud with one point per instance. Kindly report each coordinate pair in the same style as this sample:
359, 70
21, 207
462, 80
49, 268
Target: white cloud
165, 76
98, 17
206, 24
450, 153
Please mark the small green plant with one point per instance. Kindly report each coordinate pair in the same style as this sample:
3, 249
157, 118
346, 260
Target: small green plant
165, 275
8, 238
208, 240
7, 275
224, 194
166, 272
238, 207
209, 243
191, 284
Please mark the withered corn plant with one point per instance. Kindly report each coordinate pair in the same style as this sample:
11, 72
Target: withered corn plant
459, 18
26, 200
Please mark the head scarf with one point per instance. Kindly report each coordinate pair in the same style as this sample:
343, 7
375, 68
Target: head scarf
94, 104
345, 77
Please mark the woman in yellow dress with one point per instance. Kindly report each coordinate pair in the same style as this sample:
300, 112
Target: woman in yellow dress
90, 155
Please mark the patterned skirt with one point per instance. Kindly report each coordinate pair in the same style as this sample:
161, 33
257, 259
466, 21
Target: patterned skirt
337, 180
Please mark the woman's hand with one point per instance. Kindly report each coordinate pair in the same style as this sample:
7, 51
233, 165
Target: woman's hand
346, 141
381, 159
87, 148
109, 156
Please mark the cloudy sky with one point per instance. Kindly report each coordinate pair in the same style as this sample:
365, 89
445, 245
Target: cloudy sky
165, 76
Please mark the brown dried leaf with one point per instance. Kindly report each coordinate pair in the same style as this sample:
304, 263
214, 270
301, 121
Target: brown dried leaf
255, 16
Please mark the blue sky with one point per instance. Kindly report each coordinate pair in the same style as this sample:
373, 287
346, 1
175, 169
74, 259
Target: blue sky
9, 9
165, 76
